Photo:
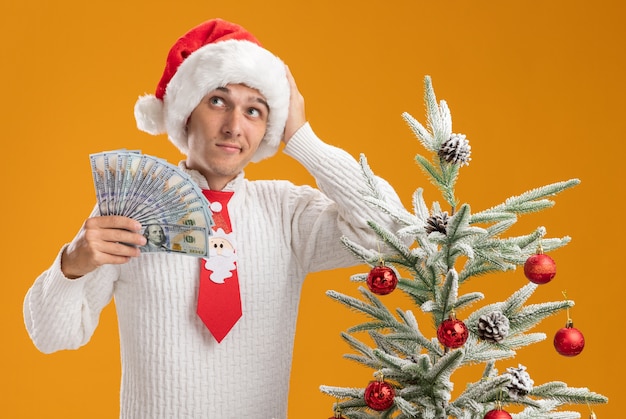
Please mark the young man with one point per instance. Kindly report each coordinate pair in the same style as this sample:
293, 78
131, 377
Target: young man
223, 101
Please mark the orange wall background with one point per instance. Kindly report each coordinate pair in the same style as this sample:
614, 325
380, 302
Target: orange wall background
537, 87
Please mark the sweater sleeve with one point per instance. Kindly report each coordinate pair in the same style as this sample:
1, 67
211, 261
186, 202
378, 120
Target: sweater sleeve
341, 210
62, 313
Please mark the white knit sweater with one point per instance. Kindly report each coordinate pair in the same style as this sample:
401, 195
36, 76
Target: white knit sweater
171, 365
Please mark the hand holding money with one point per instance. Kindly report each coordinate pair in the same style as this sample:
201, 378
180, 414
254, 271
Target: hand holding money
173, 213
102, 240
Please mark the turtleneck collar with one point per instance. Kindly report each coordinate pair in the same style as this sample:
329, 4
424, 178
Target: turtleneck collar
201, 181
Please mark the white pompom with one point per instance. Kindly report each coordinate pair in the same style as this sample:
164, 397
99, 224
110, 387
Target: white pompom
149, 115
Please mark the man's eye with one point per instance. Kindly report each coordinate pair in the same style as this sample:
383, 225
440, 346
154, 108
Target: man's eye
254, 112
216, 100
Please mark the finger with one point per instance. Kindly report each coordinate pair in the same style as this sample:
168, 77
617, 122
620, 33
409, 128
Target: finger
99, 259
289, 75
86, 253
113, 222
114, 235
293, 87
116, 252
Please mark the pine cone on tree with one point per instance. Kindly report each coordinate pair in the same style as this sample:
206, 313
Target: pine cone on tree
456, 150
437, 222
493, 327
521, 384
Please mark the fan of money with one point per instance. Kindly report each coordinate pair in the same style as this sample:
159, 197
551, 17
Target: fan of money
171, 208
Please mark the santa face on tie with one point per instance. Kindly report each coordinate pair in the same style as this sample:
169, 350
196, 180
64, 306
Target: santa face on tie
222, 258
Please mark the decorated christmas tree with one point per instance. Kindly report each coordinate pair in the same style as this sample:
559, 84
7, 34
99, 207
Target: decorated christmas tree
436, 252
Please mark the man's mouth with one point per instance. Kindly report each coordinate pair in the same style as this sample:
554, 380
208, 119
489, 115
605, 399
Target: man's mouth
231, 148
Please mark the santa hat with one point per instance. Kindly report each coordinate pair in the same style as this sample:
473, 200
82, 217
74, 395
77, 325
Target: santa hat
211, 55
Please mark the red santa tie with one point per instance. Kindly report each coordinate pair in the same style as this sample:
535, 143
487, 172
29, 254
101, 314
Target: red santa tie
219, 302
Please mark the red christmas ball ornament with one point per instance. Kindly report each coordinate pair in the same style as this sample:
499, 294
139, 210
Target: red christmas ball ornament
452, 333
569, 341
382, 280
540, 268
379, 395
498, 414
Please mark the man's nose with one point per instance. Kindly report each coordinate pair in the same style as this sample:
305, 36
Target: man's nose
232, 123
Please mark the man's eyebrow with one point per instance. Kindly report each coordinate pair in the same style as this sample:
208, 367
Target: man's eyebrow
254, 98
263, 102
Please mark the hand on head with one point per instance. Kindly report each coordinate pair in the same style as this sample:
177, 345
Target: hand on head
297, 115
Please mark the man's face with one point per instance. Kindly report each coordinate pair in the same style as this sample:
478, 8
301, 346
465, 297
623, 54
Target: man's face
224, 132
155, 235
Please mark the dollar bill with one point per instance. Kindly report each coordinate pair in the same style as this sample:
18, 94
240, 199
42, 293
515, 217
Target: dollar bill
175, 238
155, 193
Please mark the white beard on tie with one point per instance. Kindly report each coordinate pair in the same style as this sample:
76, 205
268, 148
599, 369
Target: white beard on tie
222, 256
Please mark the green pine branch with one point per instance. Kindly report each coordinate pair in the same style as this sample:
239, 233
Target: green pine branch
532, 200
